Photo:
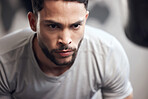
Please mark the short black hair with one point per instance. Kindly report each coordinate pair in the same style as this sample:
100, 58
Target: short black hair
37, 5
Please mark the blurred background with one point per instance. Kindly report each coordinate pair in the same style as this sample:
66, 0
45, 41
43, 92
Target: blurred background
109, 15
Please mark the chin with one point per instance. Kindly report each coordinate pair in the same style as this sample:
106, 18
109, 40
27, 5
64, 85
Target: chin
64, 62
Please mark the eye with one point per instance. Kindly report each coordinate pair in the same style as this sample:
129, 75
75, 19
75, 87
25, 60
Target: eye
52, 26
76, 26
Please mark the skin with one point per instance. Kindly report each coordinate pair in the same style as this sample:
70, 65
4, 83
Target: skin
130, 96
59, 33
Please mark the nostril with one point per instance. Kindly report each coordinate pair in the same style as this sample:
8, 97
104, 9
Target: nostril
60, 41
70, 42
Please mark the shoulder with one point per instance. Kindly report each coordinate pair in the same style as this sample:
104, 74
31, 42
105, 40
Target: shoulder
99, 40
14, 53
14, 40
112, 62
97, 33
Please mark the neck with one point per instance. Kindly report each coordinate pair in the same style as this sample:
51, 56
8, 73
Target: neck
45, 64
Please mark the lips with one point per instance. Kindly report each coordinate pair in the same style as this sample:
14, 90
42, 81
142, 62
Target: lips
64, 53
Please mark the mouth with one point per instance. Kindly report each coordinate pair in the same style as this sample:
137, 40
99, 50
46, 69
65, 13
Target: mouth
64, 53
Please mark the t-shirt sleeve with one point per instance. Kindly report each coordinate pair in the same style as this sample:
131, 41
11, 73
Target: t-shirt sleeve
116, 84
4, 86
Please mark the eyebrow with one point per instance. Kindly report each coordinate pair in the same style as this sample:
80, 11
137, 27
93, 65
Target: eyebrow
57, 23
51, 21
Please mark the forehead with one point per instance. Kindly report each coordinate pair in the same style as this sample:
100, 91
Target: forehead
61, 8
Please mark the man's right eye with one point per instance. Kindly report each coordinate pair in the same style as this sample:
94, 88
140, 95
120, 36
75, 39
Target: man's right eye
52, 26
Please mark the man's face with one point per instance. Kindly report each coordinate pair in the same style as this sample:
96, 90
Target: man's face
60, 29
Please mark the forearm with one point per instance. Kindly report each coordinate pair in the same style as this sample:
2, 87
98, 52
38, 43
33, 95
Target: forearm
130, 96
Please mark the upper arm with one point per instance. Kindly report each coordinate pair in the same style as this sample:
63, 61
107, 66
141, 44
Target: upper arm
116, 82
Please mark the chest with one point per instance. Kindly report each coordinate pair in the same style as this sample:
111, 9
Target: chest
82, 81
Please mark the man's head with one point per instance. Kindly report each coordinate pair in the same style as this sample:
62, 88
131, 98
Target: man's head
60, 27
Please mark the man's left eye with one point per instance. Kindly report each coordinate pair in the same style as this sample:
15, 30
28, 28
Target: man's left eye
76, 26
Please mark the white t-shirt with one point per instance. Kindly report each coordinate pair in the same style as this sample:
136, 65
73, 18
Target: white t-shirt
101, 70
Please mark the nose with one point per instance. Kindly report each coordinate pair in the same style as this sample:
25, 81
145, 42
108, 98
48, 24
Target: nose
64, 38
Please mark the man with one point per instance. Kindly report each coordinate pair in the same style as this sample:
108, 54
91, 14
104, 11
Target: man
62, 59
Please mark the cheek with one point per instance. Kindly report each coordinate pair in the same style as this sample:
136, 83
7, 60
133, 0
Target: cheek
49, 40
77, 37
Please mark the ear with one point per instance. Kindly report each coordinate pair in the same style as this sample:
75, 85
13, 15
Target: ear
87, 14
32, 21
